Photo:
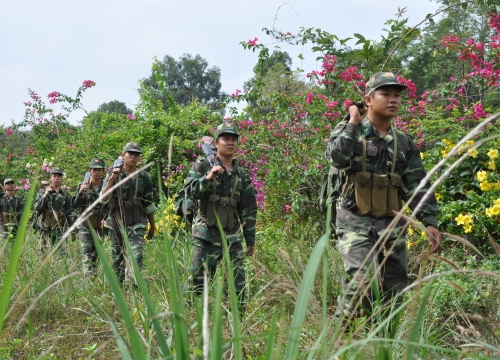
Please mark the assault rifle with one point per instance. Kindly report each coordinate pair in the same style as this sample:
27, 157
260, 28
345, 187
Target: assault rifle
360, 106
210, 151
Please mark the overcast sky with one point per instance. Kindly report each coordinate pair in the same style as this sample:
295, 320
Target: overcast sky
54, 45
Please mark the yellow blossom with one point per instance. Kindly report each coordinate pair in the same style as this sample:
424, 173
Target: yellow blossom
496, 202
411, 244
467, 228
492, 165
473, 153
486, 186
495, 210
493, 154
489, 212
482, 176
444, 153
463, 219
423, 155
410, 231
438, 196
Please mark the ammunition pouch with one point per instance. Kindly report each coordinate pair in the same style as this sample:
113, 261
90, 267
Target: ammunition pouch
52, 218
130, 213
96, 218
9, 218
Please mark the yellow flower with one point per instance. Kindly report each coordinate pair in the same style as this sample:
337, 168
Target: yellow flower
485, 186
467, 228
423, 155
438, 196
492, 165
464, 219
444, 153
482, 176
493, 154
495, 210
489, 212
473, 153
496, 202
411, 244
410, 231
469, 142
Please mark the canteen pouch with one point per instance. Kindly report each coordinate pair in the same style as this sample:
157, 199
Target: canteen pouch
95, 219
132, 211
379, 195
53, 218
393, 203
363, 192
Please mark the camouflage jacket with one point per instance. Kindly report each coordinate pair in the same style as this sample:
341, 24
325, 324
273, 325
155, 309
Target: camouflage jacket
199, 188
59, 201
344, 151
87, 198
140, 188
13, 205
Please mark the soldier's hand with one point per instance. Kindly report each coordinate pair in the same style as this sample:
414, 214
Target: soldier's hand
151, 232
73, 237
434, 237
355, 114
115, 173
48, 189
216, 170
250, 251
83, 188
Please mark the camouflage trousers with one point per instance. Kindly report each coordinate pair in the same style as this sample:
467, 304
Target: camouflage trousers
207, 255
89, 252
118, 248
50, 237
387, 266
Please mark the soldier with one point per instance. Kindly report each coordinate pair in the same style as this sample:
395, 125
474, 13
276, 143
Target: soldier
131, 207
224, 189
381, 167
54, 207
12, 207
86, 194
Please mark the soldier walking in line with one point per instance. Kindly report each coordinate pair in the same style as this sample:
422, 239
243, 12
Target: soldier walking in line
11, 207
380, 167
225, 190
54, 208
131, 207
87, 193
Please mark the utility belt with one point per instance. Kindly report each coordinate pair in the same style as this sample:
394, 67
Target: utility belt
224, 207
52, 218
9, 218
130, 213
375, 195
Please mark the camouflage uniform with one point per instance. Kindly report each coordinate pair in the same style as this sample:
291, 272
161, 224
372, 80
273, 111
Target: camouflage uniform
140, 191
80, 203
11, 209
207, 240
58, 206
358, 234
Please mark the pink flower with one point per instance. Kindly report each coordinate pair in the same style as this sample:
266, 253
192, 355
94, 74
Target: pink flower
88, 84
253, 42
287, 208
131, 117
310, 97
9, 131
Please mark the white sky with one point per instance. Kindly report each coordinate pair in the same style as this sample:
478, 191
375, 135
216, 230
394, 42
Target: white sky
54, 45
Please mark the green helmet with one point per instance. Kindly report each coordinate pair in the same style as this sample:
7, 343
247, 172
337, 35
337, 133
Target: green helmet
56, 170
382, 79
226, 128
97, 163
132, 147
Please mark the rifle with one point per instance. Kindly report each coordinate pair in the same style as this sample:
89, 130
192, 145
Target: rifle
360, 106
210, 152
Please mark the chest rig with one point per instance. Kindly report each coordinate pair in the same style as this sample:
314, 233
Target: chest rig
377, 195
223, 207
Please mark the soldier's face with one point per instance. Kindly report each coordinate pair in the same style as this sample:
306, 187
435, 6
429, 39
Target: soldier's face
384, 102
9, 186
56, 179
227, 145
96, 173
131, 158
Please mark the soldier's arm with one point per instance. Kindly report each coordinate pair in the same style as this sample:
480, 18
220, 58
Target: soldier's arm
78, 199
247, 210
340, 148
413, 174
147, 200
197, 180
68, 209
41, 201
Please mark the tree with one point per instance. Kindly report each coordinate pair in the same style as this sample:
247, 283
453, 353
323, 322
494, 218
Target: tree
114, 106
187, 79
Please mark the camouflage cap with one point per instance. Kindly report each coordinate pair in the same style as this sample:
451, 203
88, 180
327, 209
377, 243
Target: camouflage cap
56, 170
226, 128
8, 180
132, 147
97, 163
382, 79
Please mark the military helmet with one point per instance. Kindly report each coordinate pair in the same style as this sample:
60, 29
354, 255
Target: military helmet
8, 180
132, 147
226, 128
382, 79
56, 170
97, 163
